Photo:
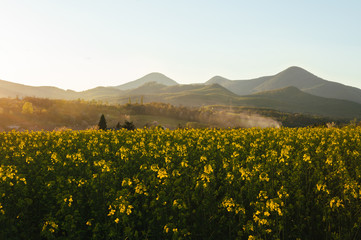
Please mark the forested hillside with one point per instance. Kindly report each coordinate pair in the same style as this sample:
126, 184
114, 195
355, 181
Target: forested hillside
47, 114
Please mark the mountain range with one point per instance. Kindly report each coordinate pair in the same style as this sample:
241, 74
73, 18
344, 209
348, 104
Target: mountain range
293, 90
293, 76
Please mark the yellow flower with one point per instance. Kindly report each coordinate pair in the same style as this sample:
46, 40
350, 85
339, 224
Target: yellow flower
162, 173
129, 209
111, 212
208, 169
263, 177
307, 158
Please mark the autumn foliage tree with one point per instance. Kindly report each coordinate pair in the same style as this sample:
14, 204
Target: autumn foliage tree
27, 108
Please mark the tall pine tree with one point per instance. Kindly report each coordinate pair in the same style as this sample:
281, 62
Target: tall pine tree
102, 123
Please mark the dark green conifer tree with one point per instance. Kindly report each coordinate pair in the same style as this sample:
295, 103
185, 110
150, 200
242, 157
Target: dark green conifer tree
129, 125
102, 123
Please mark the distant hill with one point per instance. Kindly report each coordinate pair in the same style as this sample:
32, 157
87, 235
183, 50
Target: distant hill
151, 77
187, 95
240, 87
293, 76
147, 89
99, 93
293, 100
10, 89
202, 95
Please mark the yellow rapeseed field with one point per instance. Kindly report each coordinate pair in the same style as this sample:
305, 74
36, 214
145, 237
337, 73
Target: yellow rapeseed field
302, 183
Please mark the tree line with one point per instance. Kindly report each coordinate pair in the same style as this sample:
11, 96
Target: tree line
102, 125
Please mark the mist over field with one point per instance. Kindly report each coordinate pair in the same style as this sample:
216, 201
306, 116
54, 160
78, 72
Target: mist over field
229, 119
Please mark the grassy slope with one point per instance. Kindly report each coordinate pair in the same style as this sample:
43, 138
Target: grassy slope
292, 99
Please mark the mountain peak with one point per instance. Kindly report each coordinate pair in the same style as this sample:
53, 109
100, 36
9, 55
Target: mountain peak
295, 71
294, 68
292, 76
157, 77
217, 79
151, 77
156, 74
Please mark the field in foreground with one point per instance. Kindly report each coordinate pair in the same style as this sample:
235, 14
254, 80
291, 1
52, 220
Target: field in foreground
185, 184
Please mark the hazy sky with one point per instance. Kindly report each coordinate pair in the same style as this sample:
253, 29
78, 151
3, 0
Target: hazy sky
80, 44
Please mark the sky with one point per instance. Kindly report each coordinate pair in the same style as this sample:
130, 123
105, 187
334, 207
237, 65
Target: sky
81, 44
